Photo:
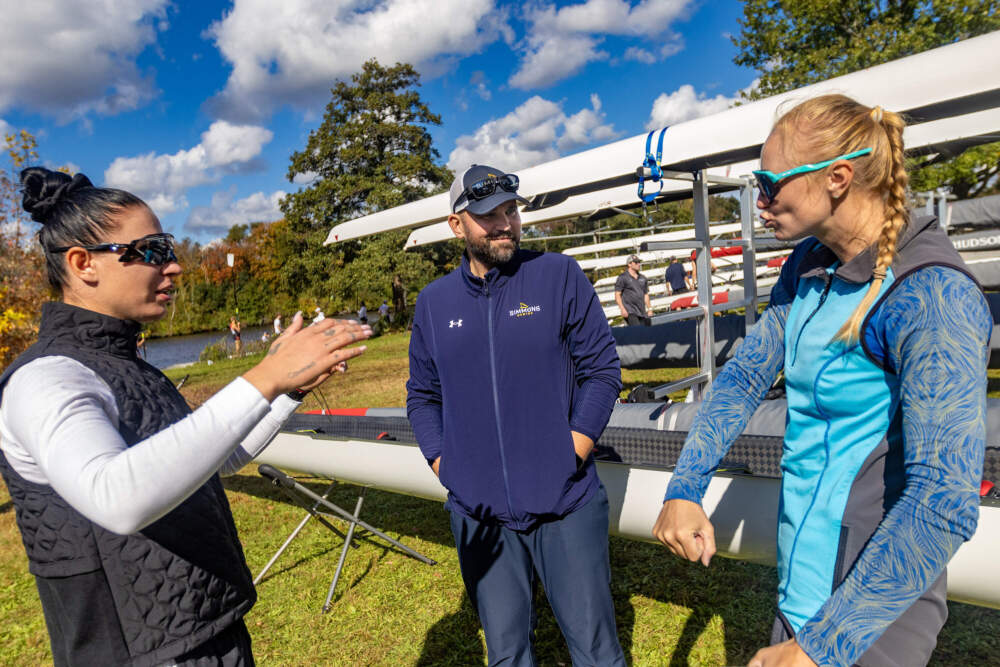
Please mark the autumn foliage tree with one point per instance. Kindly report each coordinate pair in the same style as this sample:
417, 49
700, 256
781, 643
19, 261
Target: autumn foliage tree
23, 286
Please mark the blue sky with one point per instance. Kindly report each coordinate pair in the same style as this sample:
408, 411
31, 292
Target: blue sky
197, 106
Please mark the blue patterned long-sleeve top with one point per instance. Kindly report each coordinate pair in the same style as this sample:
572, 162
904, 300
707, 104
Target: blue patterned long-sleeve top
884, 441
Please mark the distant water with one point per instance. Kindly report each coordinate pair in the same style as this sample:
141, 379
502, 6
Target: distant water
174, 350
166, 352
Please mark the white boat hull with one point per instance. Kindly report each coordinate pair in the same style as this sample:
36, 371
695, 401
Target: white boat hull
933, 86
743, 508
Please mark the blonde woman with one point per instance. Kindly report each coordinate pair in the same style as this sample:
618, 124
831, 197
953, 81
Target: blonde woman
882, 336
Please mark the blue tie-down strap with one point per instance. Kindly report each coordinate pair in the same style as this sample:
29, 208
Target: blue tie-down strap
652, 163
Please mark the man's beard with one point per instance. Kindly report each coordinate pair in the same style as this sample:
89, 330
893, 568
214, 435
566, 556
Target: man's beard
492, 254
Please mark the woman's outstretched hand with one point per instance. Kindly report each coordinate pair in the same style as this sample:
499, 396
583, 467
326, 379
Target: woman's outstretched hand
684, 527
303, 357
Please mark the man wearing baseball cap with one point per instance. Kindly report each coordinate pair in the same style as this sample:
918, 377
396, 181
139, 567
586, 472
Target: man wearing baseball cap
632, 294
513, 374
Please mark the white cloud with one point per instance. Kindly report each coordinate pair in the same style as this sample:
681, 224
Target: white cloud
5, 129
641, 55
479, 80
672, 48
68, 58
685, 104
535, 132
586, 126
560, 42
163, 179
649, 18
291, 52
224, 212
552, 57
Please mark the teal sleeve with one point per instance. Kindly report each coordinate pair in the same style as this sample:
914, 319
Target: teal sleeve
737, 391
729, 403
935, 327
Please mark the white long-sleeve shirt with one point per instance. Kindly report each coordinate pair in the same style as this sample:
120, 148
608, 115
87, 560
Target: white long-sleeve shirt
59, 426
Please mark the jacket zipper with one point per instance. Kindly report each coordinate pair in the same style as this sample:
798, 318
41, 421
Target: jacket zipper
496, 394
822, 300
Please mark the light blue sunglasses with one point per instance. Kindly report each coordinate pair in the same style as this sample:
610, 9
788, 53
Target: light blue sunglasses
769, 182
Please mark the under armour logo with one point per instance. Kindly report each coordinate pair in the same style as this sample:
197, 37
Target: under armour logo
454, 323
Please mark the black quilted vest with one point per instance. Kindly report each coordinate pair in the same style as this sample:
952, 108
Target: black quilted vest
174, 584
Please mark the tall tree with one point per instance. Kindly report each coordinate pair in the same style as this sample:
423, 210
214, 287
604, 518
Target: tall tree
372, 151
792, 43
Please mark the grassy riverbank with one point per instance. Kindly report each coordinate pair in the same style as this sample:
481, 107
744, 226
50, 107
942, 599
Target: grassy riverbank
392, 610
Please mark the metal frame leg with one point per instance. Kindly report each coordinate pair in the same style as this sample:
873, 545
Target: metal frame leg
343, 551
289, 486
298, 529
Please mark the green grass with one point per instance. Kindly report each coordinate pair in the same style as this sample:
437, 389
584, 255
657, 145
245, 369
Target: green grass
390, 609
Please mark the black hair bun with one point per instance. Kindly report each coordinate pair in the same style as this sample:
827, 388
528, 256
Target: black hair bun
44, 188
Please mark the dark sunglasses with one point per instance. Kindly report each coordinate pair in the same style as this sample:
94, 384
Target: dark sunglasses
770, 182
155, 249
487, 186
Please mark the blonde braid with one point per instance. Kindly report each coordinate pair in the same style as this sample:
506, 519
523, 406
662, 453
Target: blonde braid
894, 192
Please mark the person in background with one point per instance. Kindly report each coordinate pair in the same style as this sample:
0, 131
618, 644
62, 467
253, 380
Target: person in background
319, 317
677, 279
277, 324
513, 375
632, 294
234, 331
363, 313
883, 336
140, 344
694, 268
383, 311
398, 295
114, 480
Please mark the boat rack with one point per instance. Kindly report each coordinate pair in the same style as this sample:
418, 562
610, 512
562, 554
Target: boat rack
702, 245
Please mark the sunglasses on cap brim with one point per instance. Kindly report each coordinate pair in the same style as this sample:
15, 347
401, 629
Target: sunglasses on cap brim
769, 182
482, 189
155, 249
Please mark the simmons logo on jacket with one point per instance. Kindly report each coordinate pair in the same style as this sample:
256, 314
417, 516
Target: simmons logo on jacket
525, 310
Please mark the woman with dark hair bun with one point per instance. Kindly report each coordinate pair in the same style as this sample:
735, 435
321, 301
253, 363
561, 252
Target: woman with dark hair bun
115, 481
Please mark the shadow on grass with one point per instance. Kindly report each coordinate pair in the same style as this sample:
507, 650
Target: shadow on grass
277, 572
638, 569
6, 507
737, 596
454, 640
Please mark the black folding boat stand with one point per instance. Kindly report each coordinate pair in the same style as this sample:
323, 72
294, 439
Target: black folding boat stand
299, 494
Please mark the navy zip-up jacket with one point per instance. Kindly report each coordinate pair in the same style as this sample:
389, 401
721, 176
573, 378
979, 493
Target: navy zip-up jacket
502, 368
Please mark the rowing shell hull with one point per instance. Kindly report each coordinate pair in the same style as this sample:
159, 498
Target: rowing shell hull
953, 80
743, 508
